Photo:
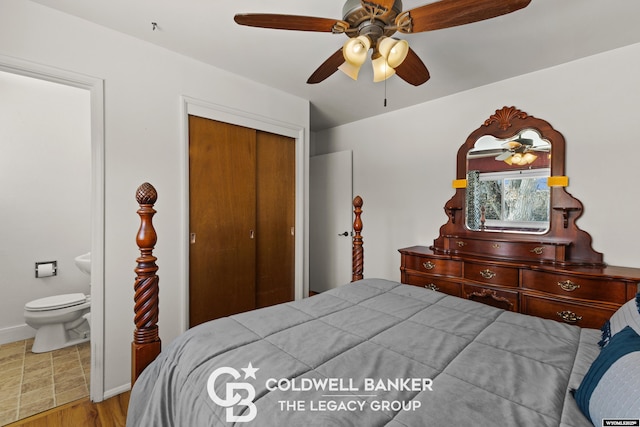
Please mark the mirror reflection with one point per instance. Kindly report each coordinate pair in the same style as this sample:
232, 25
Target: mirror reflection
507, 184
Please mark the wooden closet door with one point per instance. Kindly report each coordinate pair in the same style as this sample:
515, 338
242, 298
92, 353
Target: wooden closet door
222, 217
276, 219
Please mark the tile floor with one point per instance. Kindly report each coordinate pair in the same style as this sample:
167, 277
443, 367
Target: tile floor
32, 383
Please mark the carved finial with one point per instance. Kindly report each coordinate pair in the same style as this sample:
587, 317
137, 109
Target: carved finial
146, 194
504, 117
357, 202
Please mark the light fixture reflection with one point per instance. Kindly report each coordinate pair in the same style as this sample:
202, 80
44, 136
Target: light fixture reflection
529, 158
521, 159
520, 148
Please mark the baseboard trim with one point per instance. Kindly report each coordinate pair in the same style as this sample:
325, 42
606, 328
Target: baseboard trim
16, 333
116, 391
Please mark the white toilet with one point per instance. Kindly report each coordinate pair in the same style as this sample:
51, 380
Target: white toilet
60, 321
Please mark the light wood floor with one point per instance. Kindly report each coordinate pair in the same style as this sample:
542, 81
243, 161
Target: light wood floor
109, 413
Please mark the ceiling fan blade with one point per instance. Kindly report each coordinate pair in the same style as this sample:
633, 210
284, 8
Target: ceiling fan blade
540, 148
511, 145
451, 13
327, 68
504, 156
412, 70
288, 22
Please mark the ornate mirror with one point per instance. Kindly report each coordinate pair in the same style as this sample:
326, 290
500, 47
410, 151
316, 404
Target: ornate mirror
511, 199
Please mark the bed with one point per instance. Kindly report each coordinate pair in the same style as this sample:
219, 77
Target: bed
375, 353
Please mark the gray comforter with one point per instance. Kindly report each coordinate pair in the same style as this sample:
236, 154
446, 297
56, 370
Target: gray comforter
371, 353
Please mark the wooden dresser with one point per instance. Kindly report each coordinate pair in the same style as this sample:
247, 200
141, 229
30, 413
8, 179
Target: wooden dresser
511, 239
585, 296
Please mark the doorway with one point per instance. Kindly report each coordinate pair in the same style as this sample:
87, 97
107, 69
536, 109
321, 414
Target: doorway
51, 200
331, 216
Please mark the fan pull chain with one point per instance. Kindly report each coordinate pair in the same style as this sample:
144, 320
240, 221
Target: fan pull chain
385, 84
385, 93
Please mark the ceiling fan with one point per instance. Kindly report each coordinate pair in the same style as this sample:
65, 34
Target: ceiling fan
519, 151
369, 24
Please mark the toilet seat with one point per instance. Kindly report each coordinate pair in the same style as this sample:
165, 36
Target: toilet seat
56, 302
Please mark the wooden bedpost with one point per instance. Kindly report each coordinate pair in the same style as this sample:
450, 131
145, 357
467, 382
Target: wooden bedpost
357, 251
146, 341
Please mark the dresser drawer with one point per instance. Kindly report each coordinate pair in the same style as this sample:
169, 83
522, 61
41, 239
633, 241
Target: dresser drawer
442, 267
493, 274
574, 313
435, 284
509, 250
504, 299
576, 286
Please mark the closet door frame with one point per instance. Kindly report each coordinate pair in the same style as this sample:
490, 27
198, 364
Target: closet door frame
196, 107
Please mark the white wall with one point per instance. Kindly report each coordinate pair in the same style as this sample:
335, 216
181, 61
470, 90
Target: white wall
45, 188
404, 161
143, 142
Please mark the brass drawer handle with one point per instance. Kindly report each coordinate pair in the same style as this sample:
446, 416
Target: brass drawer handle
432, 287
487, 274
538, 251
495, 246
428, 265
568, 286
460, 243
569, 316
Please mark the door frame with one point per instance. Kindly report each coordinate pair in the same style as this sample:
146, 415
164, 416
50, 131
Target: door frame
95, 86
208, 110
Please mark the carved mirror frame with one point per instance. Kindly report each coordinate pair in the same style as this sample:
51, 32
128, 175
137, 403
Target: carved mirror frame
572, 244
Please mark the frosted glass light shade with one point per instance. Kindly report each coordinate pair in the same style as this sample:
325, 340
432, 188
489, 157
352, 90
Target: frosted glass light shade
381, 70
350, 70
355, 50
393, 50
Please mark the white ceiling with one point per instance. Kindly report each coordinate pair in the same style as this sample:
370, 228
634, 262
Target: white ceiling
544, 34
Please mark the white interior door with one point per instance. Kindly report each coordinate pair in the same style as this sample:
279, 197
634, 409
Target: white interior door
330, 220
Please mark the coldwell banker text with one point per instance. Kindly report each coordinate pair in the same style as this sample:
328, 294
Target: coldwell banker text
346, 384
341, 402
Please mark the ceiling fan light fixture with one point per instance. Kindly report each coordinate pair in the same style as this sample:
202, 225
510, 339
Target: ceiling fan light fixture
381, 69
350, 70
355, 50
393, 50
375, 19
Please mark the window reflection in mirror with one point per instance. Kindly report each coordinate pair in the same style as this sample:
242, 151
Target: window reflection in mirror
507, 184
